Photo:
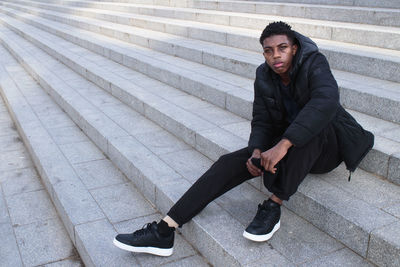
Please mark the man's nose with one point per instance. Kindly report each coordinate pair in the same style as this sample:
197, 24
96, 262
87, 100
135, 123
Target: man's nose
277, 54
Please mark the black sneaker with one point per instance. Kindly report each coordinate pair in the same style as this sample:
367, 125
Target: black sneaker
146, 240
265, 223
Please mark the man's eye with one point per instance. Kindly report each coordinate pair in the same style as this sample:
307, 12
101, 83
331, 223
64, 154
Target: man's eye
267, 51
282, 48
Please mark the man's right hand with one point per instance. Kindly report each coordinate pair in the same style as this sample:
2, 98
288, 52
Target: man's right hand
250, 166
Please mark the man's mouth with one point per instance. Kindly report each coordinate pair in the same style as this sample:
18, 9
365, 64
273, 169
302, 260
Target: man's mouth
278, 64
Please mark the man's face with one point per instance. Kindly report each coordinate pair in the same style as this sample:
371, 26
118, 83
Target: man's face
279, 53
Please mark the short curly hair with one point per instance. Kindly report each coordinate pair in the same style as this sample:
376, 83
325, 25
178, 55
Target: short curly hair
277, 28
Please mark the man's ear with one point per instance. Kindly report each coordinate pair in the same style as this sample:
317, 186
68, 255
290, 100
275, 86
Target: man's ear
294, 49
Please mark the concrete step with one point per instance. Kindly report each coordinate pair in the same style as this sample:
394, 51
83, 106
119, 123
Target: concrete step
358, 92
332, 12
359, 59
93, 198
196, 81
28, 219
367, 35
136, 153
357, 229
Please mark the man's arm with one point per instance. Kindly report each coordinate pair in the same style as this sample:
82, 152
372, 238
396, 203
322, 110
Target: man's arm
320, 109
261, 125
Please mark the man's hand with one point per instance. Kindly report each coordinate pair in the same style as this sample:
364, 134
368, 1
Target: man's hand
250, 166
272, 156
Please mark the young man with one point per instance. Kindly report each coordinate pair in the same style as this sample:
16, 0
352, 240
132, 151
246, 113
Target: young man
298, 127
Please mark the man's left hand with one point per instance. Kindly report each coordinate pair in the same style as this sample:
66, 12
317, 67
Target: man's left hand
272, 156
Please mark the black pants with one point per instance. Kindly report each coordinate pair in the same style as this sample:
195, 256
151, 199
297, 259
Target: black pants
320, 155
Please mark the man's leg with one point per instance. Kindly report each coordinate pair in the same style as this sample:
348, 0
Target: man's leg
227, 172
320, 155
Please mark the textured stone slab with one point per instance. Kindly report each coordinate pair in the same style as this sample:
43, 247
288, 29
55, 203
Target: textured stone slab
394, 169
394, 209
384, 248
188, 163
12, 160
99, 173
30, 207
8, 128
20, 181
4, 217
122, 202
343, 257
161, 142
81, 152
67, 135
323, 204
10, 143
44, 242
377, 192
9, 251
94, 242
66, 263
190, 261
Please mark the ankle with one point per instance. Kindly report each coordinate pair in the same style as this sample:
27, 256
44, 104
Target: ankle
276, 200
164, 229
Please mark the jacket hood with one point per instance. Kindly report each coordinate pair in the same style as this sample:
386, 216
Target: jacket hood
306, 47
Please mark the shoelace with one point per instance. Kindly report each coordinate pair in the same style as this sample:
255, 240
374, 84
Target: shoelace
143, 231
261, 213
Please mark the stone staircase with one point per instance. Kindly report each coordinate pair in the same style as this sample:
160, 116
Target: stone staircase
164, 87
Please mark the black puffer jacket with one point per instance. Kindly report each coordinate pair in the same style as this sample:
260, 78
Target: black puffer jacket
316, 92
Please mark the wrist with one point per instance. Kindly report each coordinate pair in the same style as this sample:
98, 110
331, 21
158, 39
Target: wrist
256, 152
286, 143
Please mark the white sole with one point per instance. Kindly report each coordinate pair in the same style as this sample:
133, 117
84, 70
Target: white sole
262, 238
164, 252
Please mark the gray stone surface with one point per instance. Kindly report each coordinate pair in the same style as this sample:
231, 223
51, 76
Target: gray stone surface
377, 192
67, 135
8, 128
384, 246
323, 204
161, 142
9, 251
343, 257
394, 169
122, 202
12, 160
99, 173
4, 216
94, 242
49, 237
188, 163
30, 207
81, 152
10, 143
20, 181
71, 262
190, 261
394, 209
